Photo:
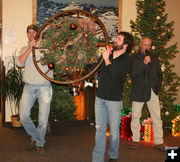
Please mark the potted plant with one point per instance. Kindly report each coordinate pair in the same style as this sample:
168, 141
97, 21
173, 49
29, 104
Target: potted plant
11, 89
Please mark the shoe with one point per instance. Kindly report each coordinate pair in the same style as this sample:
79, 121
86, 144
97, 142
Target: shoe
31, 145
134, 145
112, 160
161, 147
41, 151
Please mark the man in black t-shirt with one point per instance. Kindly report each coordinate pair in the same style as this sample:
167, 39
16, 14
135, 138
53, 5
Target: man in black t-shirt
108, 102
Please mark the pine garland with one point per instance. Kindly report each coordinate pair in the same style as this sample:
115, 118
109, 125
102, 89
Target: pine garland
70, 44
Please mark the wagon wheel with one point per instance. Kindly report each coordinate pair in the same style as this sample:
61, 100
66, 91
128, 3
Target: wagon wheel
70, 45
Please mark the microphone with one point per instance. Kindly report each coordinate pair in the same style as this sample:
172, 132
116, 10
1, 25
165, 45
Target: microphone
147, 52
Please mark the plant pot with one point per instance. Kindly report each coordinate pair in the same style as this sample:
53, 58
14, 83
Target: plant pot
16, 121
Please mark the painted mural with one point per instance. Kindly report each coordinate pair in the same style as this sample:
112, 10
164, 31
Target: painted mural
105, 10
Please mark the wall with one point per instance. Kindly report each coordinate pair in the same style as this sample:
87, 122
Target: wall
16, 15
19, 17
128, 13
173, 10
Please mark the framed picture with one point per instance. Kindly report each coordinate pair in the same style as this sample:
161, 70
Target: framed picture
109, 12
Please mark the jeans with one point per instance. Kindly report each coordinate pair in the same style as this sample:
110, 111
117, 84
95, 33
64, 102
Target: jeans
106, 112
29, 96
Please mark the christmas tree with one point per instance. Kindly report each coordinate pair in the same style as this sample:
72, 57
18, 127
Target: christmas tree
151, 21
62, 105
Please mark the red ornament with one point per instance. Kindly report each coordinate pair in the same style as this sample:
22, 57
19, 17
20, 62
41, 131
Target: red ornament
54, 47
73, 26
51, 66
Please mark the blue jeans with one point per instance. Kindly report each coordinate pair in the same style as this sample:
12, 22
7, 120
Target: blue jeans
106, 112
29, 96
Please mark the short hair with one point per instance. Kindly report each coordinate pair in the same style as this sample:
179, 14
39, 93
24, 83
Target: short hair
128, 39
32, 26
146, 37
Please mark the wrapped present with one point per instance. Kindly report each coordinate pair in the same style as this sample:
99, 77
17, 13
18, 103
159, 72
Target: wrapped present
126, 127
148, 130
125, 111
142, 132
126, 132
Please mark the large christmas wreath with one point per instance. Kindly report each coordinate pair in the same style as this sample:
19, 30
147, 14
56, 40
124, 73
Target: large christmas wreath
69, 45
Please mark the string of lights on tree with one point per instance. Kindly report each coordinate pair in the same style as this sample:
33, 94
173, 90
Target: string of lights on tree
151, 21
176, 126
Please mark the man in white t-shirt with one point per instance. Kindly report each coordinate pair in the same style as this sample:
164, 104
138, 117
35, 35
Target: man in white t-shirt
36, 87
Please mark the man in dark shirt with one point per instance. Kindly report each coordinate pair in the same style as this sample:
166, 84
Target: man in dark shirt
108, 102
146, 83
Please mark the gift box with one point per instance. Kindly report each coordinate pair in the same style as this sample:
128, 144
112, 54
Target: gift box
126, 111
142, 132
126, 132
148, 130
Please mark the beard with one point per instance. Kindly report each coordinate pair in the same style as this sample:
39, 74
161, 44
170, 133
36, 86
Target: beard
118, 47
